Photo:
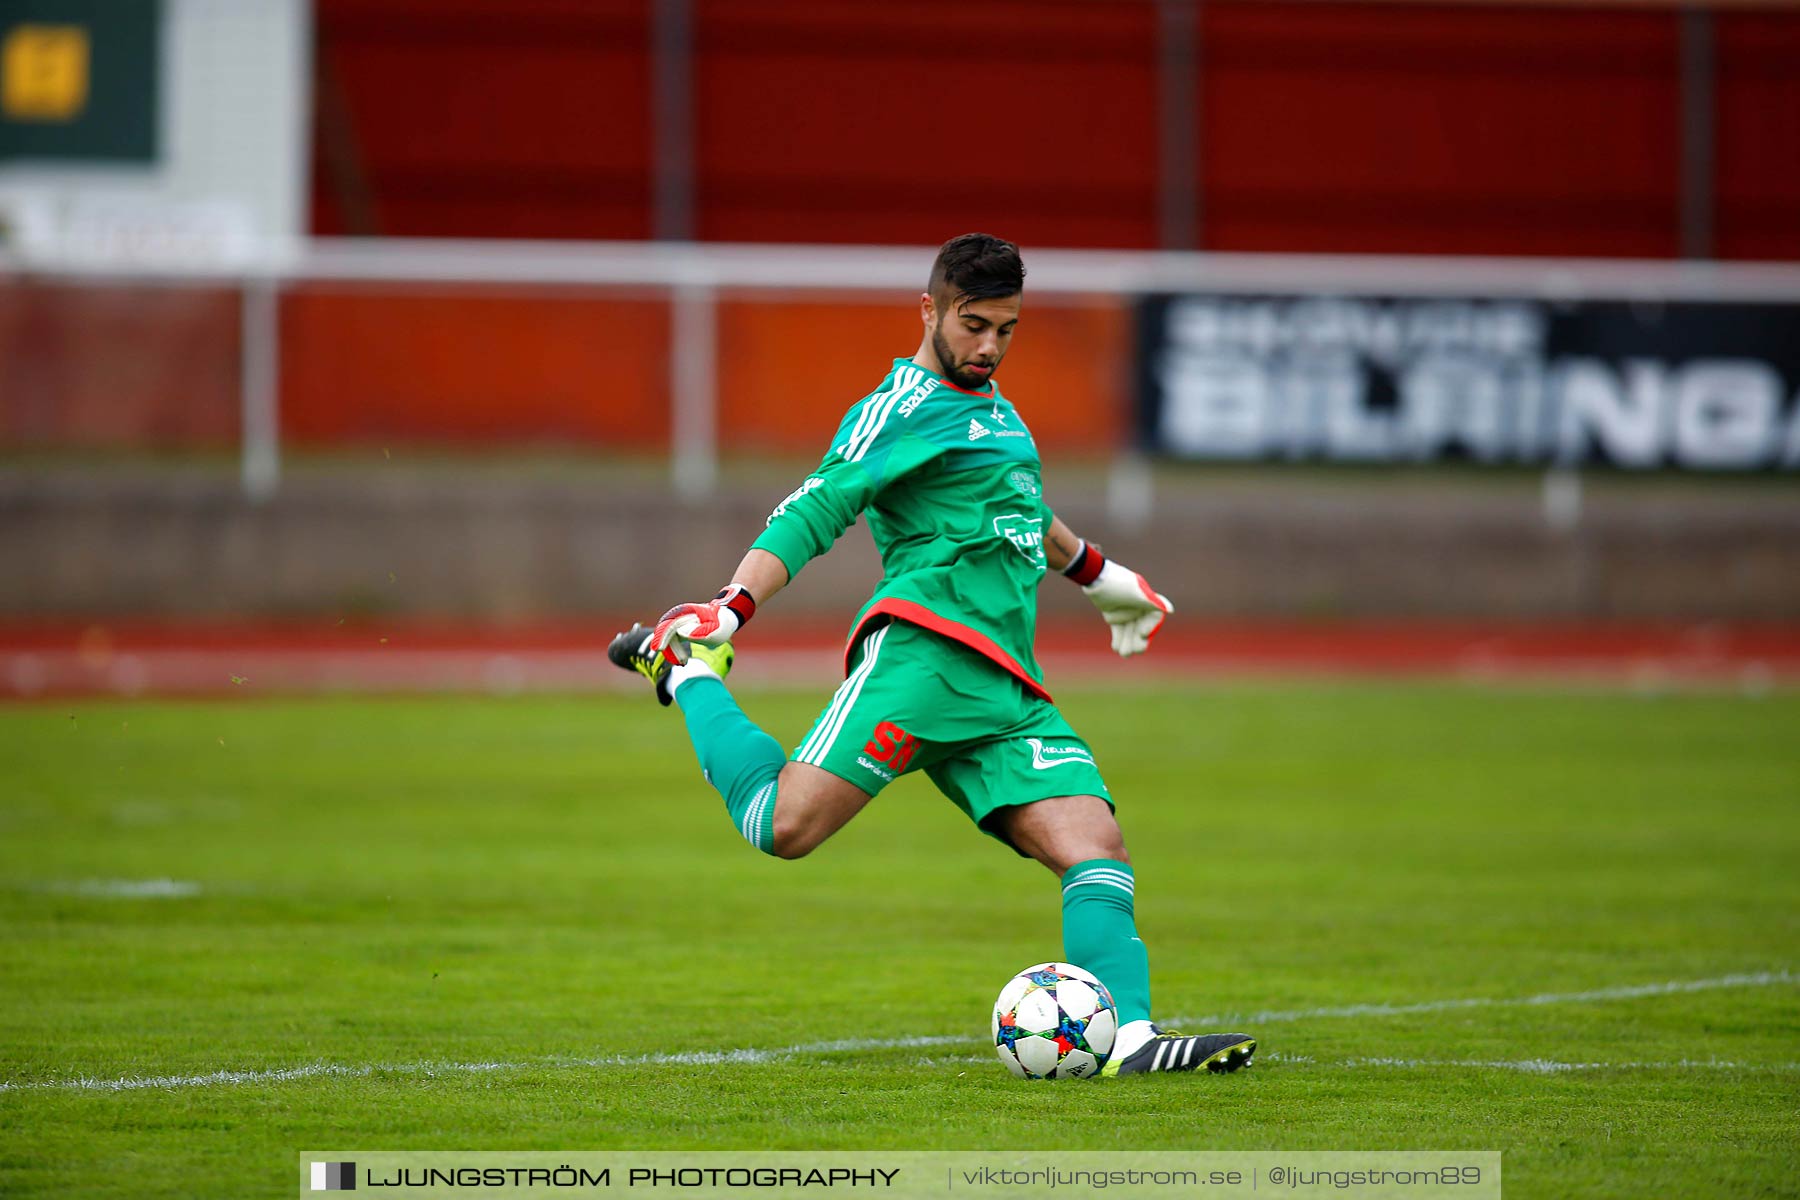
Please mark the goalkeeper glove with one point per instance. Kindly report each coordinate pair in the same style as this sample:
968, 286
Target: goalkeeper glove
710, 624
1130, 605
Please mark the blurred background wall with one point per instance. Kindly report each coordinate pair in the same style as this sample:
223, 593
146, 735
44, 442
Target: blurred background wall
1344, 128
1549, 131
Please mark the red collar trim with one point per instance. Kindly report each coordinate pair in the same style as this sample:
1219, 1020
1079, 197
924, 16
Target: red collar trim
987, 395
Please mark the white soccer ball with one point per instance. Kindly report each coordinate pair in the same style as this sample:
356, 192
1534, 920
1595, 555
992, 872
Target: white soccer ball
1054, 1021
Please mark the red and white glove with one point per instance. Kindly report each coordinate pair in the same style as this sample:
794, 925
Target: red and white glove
1130, 605
710, 624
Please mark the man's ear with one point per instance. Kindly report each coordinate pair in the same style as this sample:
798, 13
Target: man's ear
927, 309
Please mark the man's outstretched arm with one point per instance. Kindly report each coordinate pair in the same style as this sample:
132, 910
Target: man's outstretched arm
1133, 608
761, 574
803, 526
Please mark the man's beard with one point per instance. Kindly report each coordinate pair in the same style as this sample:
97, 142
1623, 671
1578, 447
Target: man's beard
955, 374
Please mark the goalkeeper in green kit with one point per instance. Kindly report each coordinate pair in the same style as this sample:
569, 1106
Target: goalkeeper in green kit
940, 674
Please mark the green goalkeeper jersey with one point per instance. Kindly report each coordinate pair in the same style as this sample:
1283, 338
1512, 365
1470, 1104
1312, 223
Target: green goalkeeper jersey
950, 481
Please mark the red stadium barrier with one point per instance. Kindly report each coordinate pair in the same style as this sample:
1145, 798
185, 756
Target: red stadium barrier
56, 661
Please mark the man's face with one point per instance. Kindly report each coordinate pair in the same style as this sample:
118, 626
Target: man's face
971, 338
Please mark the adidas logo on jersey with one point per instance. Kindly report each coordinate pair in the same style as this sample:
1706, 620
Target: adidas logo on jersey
977, 431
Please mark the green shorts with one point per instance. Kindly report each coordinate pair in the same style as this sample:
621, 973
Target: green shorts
917, 701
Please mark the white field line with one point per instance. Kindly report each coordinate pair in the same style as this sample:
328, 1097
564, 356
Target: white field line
1631, 992
1540, 1066
1528, 1066
1545, 1066
693, 1058
128, 1083
128, 889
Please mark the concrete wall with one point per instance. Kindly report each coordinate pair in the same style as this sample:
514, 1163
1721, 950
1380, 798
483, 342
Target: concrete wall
519, 544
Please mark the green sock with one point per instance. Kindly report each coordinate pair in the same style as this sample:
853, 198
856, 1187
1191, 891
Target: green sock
737, 758
1100, 934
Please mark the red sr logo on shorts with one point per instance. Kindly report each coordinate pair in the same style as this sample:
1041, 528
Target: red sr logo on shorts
892, 745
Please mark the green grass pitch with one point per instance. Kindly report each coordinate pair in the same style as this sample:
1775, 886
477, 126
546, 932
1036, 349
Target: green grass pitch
498, 924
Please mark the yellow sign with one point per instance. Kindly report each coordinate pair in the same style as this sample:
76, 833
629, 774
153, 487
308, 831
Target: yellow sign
44, 72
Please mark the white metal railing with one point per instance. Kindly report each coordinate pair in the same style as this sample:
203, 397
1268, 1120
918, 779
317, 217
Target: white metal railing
814, 268
693, 275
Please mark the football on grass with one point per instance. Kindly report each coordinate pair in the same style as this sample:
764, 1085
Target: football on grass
1054, 1021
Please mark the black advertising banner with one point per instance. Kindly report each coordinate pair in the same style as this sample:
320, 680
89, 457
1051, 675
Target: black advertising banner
1404, 380
78, 80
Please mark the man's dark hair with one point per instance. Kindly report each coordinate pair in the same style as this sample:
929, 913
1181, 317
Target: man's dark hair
976, 266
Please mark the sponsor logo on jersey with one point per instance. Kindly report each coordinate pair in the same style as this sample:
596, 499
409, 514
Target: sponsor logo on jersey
977, 430
794, 495
1025, 533
862, 760
892, 745
1044, 757
917, 398
1025, 483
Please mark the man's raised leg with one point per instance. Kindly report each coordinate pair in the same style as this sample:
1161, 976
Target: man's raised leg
782, 808
736, 756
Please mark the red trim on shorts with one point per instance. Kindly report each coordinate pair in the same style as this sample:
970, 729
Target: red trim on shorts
918, 614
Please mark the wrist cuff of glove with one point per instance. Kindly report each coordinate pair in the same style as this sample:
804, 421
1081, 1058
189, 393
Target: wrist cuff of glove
738, 601
1085, 567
